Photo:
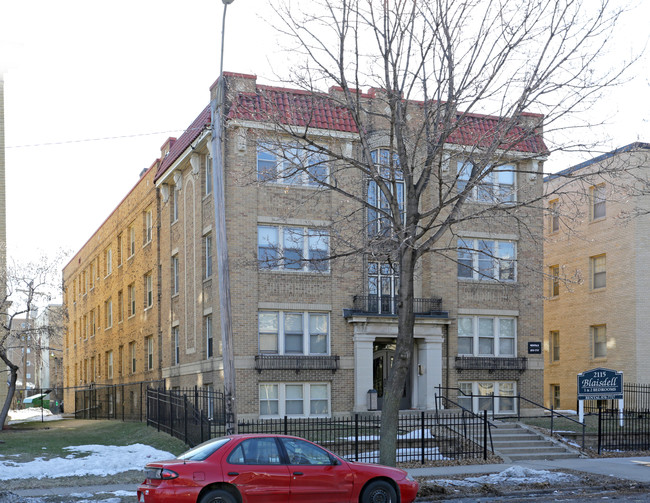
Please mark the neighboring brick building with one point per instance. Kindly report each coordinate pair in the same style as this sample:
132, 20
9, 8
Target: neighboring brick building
313, 340
597, 255
112, 296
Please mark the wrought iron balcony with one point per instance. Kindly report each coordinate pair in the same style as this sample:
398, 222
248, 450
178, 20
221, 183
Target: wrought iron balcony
387, 305
491, 363
296, 362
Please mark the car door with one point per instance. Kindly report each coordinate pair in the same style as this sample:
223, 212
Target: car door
256, 468
316, 477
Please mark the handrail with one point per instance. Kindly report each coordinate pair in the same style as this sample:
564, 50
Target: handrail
472, 413
519, 398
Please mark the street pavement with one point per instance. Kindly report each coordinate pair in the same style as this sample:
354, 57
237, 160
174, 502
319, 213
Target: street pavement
633, 468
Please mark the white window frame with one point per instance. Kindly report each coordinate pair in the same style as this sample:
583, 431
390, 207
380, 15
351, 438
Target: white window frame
148, 226
307, 392
177, 344
554, 346
148, 291
488, 190
312, 241
598, 201
478, 258
275, 165
281, 334
598, 335
108, 257
108, 313
482, 400
131, 241
174, 198
497, 338
175, 275
554, 216
134, 357
207, 265
377, 223
131, 299
109, 359
208, 176
596, 263
150, 351
209, 340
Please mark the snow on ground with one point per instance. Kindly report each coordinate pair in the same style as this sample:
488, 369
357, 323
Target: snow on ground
31, 414
403, 455
515, 475
85, 460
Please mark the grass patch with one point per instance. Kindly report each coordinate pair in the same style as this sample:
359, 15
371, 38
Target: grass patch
26, 441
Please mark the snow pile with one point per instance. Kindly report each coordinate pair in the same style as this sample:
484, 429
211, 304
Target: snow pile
411, 435
31, 414
515, 475
85, 460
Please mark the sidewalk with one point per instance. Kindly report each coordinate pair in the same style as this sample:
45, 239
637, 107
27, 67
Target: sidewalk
86, 490
633, 468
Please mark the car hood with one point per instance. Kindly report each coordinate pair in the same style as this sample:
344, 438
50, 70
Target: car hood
395, 473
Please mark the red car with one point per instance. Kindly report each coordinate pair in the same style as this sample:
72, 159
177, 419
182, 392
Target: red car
271, 469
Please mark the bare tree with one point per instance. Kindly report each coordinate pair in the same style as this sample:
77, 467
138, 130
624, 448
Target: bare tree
460, 94
27, 287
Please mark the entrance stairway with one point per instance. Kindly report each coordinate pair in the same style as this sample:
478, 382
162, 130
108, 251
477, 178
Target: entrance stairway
517, 442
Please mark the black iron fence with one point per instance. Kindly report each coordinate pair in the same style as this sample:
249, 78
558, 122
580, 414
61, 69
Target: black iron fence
118, 401
48, 398
625, 430
635, 397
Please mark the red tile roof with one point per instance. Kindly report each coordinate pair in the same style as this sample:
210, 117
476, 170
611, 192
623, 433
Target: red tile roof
302, 108
292, 107
180, 145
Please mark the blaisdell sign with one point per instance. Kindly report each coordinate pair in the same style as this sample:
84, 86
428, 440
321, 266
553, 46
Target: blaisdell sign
600, 384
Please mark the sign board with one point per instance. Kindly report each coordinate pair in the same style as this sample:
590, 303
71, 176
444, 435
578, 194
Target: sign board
600, 384
534, 348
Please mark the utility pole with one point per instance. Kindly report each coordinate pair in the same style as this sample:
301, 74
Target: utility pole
227, 353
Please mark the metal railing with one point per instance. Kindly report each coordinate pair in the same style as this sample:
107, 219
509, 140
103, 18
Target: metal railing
491, 363
626, 430
384, 304
296, 362
117, 401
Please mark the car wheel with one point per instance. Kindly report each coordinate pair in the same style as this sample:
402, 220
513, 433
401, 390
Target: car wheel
379, 491
218, 496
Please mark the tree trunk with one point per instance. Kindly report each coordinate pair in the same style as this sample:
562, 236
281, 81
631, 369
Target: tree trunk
13, 377
402, 361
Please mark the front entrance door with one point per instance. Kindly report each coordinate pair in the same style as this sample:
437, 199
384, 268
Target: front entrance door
383, 354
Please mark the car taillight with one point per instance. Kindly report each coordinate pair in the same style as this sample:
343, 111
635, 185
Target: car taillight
159, 474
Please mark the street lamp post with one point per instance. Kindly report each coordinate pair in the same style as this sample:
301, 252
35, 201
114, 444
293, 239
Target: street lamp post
227, 353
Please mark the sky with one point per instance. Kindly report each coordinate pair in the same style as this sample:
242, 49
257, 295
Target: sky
125, 75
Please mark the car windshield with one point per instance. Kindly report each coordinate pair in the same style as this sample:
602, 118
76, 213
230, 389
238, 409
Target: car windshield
204, 450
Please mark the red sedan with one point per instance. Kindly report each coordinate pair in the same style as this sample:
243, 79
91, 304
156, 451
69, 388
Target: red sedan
271, 469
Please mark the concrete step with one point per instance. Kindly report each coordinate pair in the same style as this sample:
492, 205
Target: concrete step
522, 443
514, 442
542, 455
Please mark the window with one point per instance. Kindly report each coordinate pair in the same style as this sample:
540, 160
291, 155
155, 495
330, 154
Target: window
120, 306
108, 313
133, 356
301, 452
174, 198
379, 222
109, 364
554, 273
177, 345
497, 396
555, 396
383, 284
120, 360
599, 340
208, 175
91, 322
554, 216
108, 262
175, 275
209, 344
256, 451
598, 272
149, 345
597, 198
292, 248
207, 266
555, 346
148, 290
294, 399
119, 250
486, 336
496, 186
291, 165
148, 226
131, 241
92, 275
131, 299
299, 333
487, 259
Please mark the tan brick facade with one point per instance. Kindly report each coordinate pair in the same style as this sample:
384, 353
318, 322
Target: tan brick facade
595, 314
335, 378
111, 293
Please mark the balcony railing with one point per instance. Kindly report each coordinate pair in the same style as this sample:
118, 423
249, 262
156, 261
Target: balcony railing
296, 362
491, 363
387, 305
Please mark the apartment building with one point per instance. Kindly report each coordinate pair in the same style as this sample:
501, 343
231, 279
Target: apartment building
597, 257
111, 296
22, 350
311, 338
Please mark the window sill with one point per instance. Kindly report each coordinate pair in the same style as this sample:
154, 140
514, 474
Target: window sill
488, 281
294, 272
598, 290
176, 295
144, 245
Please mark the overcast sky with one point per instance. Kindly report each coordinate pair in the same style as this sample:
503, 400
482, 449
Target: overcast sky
79, 70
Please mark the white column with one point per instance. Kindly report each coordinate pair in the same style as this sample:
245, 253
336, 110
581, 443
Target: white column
363, 348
